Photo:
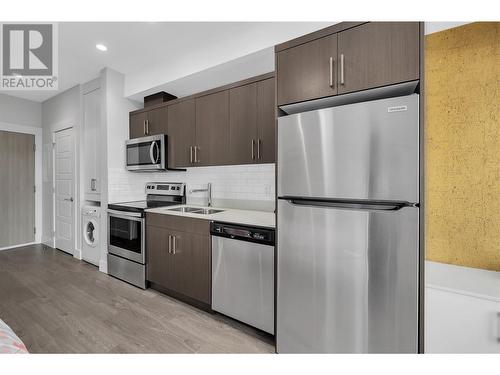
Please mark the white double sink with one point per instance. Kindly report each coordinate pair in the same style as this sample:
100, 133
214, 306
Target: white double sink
195, 210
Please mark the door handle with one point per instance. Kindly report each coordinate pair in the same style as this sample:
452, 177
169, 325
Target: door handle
147, 127
196, 154
174, 244
191, 154
144, 127
342, 82
498, 327
151, 152
157, 148
69, 199
258, 148
332, 62
253, 146
347, 203
169, 244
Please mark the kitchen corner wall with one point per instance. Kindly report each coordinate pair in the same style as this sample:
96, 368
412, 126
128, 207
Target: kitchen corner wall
252, 186
462, 73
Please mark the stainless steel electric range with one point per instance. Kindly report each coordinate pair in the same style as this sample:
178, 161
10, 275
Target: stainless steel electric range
127, 231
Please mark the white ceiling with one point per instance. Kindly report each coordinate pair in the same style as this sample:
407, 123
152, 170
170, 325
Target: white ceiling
153, 54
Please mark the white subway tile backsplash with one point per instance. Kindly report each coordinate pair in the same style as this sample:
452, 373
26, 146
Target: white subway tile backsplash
240, 182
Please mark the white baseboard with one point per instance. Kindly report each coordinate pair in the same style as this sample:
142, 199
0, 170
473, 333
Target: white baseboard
103, 266
77, 254
15, 246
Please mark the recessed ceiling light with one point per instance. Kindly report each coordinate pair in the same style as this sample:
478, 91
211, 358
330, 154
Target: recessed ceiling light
101, 47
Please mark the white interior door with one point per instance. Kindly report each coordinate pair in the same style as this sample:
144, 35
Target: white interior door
64, 191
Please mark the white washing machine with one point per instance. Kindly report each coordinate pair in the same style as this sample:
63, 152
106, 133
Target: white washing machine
90, 234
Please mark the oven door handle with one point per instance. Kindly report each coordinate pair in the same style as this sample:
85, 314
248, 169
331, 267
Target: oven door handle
125, 215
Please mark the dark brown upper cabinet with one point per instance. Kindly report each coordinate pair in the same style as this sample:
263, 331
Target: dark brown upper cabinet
252, 123
144, 123
347, 57
233, 124
212, 129
157, 121
307, 71
181, 133
137, 124
243, 124
266, 121
378, 54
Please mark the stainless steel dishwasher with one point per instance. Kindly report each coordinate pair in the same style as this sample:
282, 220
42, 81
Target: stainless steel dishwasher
243, 273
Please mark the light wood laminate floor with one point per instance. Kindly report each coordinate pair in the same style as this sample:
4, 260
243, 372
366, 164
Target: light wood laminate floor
57, 304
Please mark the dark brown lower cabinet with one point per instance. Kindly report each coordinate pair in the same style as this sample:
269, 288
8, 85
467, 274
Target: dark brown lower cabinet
159, 263
179, 257
192, 265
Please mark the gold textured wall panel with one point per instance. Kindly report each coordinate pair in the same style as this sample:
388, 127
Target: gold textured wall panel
462, 72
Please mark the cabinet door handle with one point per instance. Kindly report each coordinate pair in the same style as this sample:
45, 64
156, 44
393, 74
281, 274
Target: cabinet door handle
169, 244
332, 61
191, 154
498, 327
258, 148
253, 146
144, 127
196, 154
147, 127
174, 244
342, 81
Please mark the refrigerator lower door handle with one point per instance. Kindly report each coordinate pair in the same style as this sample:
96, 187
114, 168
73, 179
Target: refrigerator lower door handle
349, 203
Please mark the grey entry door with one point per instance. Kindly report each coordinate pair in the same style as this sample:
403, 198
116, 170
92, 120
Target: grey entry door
17, 188
347, 279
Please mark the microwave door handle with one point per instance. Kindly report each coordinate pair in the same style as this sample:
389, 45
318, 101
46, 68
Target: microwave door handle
157, 152
151, 152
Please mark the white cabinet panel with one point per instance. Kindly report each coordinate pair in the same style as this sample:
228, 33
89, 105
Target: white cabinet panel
91, 144
457, 323
462, 309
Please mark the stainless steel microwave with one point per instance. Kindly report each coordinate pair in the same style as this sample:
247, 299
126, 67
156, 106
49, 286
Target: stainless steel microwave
147, 153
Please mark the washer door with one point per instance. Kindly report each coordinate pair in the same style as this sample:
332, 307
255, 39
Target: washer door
90, 233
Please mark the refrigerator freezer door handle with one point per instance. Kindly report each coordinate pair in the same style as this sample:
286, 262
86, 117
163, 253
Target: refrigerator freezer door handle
348, 203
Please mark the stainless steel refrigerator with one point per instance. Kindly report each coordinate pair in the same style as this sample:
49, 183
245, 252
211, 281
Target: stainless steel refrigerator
348, 229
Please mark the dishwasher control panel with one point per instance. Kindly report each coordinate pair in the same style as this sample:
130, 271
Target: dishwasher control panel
243, 232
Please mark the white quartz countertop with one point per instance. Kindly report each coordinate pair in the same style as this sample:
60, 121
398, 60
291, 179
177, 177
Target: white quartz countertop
228, 215
463, 280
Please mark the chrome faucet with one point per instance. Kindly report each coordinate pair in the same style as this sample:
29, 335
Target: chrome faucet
208, 190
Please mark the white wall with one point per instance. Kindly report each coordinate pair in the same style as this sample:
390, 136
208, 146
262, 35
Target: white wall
238, 186
251, 65
20, 111
217, 49
115, 110
434, 27
59, 112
